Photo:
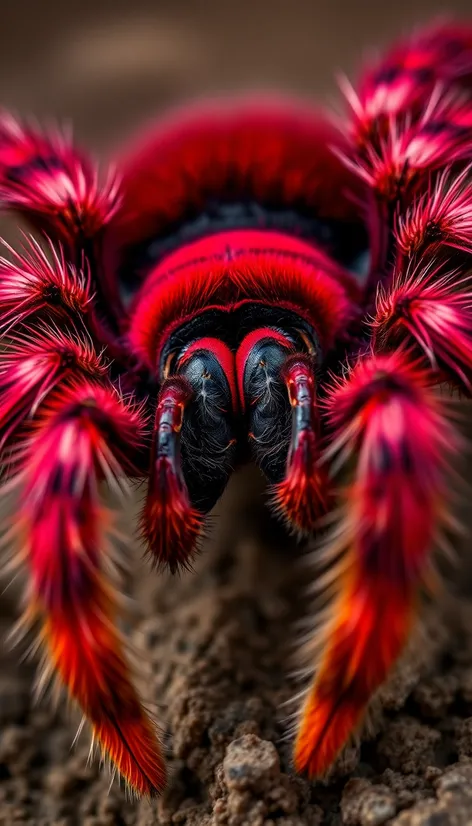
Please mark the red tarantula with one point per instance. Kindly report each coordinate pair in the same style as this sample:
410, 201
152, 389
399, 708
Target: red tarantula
256, 285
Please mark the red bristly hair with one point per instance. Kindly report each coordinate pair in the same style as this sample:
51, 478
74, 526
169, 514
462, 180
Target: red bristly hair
391, 425
261, 150
170, 524
388, 424
65, 526
46, 178
72, 429
303, 495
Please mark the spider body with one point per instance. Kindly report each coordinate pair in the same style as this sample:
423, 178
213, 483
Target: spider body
257, 285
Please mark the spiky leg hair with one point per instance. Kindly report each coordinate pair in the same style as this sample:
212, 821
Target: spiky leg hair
65, 428
62, 195
391, 429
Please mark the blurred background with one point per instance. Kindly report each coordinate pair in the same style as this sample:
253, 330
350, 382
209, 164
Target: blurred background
108, 65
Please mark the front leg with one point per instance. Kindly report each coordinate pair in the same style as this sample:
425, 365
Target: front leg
83, 434
394, 434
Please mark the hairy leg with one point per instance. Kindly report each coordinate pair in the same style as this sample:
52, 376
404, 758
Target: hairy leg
389, 425
393, 433
58, 190
84, 433
64, 428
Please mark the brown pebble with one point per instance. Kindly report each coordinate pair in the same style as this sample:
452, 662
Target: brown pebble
251, 762
365, 804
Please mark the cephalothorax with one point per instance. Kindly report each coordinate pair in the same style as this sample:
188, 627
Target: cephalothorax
255, 285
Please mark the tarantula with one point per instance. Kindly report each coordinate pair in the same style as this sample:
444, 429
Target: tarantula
258, 284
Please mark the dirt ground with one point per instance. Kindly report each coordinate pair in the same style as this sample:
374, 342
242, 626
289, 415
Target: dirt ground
215, 646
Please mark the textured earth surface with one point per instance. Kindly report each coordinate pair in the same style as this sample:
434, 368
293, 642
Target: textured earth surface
215, 647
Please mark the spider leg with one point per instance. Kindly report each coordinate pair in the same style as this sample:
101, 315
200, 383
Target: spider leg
412, 146
72, 430
303, 494
171, 524
34, 363
33, 284
393, 433
428, 304
83, 434
407, 75
411, 124
57, 189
